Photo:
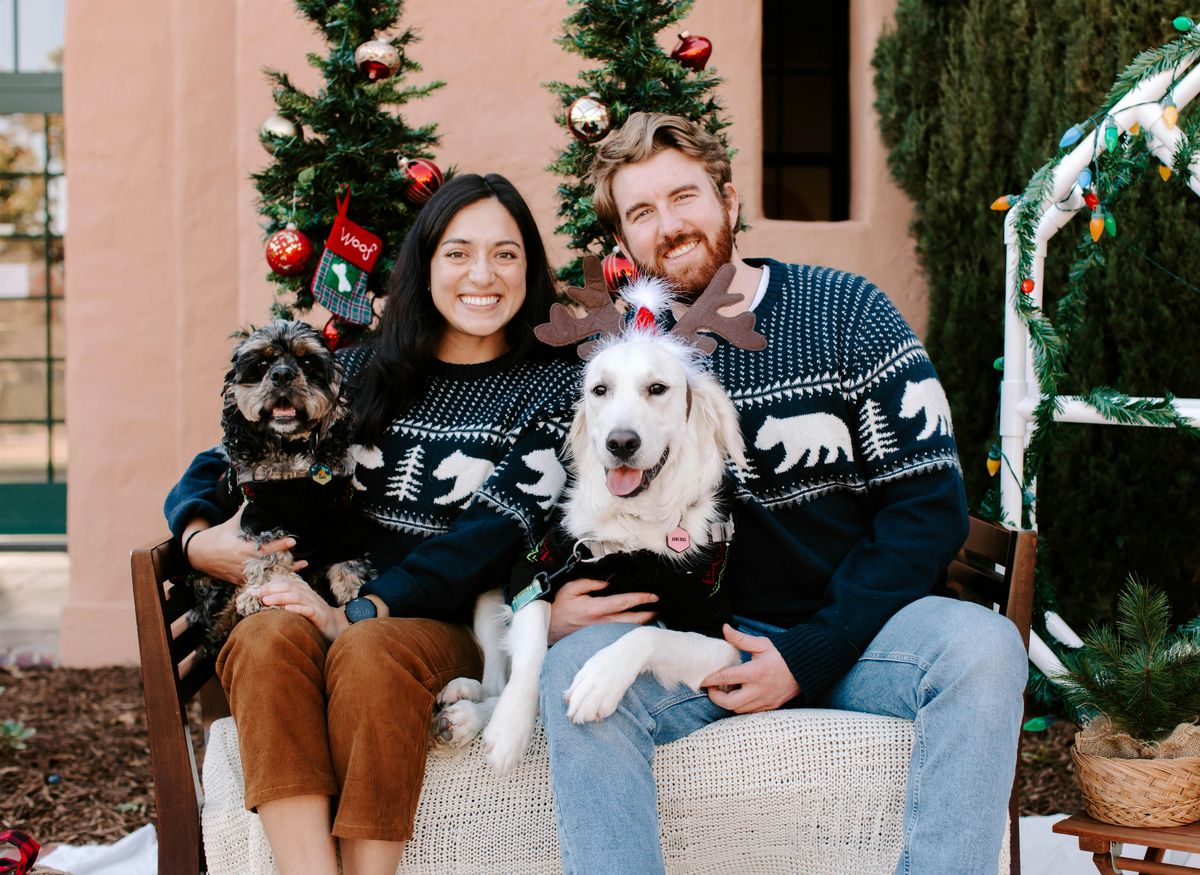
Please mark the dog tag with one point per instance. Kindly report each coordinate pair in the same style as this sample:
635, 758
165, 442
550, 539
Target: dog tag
321, 473
679, 540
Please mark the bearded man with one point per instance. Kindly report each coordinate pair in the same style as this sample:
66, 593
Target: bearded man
851, 509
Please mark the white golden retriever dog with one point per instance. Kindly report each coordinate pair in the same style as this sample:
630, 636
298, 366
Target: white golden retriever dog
648, 450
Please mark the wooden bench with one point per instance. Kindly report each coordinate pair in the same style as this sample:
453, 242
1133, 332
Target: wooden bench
995, 567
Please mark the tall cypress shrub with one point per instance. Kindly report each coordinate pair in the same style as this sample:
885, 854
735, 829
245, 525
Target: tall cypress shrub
972, 98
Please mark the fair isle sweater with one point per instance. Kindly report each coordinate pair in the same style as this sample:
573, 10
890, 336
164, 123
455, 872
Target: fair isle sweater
853, 504
461, 481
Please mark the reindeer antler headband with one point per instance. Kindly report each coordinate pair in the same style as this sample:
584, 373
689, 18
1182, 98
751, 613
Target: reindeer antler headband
603, 318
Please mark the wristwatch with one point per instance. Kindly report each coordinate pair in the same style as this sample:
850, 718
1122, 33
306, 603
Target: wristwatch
361, 608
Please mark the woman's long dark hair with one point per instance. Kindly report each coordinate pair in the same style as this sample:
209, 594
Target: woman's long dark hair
411, 326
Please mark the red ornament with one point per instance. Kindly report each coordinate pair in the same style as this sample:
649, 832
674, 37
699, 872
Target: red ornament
618, 270
288, 251
1027, 286
334, 332
424, 179
693, 51
1091, 199
644, 320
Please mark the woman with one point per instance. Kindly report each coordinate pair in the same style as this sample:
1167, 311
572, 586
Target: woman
467, 413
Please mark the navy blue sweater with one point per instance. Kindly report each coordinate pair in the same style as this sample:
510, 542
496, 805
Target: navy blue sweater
853, 504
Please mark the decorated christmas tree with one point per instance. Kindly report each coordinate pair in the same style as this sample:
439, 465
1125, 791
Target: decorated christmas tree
347, 174
632, 74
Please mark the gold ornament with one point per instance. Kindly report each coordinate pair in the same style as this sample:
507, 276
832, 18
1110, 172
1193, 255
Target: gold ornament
589, 118
280, 128
377, 59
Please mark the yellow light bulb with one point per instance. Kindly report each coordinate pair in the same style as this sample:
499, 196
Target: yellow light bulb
1135, 129
993, 466
1170, 115
1164, 171
1001, 203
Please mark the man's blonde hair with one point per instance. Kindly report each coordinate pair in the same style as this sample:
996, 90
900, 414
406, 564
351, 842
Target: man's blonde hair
643, 136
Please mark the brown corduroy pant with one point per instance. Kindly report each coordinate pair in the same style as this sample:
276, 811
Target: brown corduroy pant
348, 719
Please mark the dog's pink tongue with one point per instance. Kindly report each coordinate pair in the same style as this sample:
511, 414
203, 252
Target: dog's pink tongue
282, 411
622, 481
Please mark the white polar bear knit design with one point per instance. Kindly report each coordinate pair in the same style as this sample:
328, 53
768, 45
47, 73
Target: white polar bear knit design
552, 480
804, 438
928, 397
467, 472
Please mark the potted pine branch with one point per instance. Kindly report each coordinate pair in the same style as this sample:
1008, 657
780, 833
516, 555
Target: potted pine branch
1137, 759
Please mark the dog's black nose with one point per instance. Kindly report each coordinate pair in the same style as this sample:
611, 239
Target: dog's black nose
282, 376
623, 444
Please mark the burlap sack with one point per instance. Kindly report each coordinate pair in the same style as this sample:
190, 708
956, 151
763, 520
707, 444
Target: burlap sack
1099, 738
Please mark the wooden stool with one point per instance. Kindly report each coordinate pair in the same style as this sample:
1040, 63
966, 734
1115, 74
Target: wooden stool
1105, 841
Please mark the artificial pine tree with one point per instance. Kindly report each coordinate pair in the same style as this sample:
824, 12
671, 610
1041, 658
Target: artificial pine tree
345, 135
632, 75
1141, 675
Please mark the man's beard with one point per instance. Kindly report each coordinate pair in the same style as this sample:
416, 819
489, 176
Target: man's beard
697, 277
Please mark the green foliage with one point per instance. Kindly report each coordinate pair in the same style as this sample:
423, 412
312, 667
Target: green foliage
632, 75
14, 733
1141, 675
352, 136
972, 98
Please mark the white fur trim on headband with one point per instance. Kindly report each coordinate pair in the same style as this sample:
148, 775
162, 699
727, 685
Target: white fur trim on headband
649, 292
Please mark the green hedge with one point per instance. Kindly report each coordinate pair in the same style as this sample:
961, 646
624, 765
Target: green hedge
973, 97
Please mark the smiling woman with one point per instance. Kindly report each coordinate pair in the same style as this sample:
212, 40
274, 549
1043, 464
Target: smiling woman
477, 280
463, 414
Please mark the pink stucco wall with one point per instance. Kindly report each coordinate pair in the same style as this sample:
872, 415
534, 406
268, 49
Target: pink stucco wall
164, 252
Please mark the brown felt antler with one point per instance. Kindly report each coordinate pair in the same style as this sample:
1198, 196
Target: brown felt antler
602, 317
703, 314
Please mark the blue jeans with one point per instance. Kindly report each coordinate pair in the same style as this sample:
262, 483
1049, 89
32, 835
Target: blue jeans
954, 668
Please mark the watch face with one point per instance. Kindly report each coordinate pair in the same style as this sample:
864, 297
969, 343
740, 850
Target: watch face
361, 608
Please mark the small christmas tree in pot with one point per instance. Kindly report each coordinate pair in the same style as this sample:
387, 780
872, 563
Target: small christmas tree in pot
1138, 760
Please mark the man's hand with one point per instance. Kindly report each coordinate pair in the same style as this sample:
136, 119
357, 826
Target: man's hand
574, 608
292, 594
762, 684
222, 551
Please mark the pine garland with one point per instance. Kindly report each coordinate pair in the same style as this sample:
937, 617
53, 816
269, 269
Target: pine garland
351, 137
1115, 171
633, 74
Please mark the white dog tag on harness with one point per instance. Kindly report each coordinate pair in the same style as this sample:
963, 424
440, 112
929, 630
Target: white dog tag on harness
679, 540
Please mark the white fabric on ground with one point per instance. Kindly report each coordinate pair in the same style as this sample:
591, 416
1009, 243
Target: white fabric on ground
136, 854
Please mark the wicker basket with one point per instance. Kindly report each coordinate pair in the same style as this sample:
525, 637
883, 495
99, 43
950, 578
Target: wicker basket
1135, 792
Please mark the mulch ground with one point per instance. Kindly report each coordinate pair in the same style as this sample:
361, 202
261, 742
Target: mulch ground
84, 776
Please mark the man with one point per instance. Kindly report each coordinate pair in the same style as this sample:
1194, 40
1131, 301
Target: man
851, 510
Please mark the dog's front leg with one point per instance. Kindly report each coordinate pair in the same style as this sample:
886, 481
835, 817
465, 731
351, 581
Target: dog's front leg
506, 737
674, 658
465, 705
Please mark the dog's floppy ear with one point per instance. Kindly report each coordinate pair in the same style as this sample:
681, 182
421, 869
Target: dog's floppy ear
714, 413
577, 435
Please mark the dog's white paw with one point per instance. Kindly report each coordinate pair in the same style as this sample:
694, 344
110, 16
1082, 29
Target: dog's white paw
457, 724
461, 689
506, 738
598, 687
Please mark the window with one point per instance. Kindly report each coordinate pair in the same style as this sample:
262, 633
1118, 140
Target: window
33, 445
806, 95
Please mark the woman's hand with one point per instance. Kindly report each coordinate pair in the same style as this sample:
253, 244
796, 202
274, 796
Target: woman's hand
291, 593
574, 608
222, 551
